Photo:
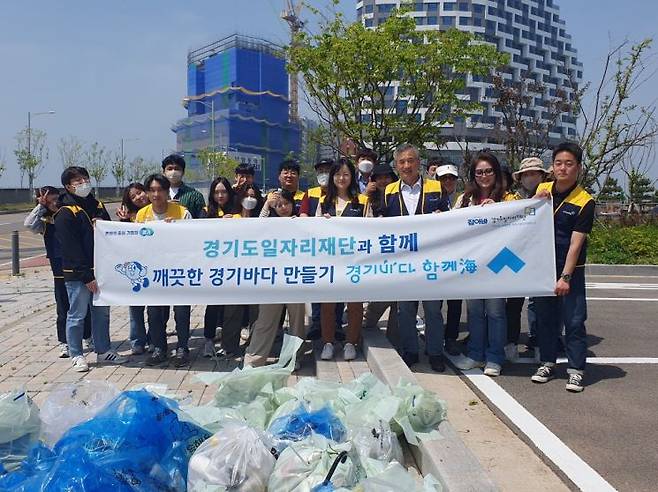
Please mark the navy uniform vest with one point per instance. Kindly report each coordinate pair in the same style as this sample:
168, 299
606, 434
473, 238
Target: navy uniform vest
355, 208
430, 200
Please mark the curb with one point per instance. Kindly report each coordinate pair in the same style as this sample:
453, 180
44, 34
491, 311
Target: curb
631, 270
448, 459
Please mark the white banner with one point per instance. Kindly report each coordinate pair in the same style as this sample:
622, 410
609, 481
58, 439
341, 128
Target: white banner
501, 250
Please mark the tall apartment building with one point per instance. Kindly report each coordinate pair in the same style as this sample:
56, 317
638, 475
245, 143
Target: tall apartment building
531, 31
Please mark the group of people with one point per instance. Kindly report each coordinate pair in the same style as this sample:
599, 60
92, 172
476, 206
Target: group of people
363, 188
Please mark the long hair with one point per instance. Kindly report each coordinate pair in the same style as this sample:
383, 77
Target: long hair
332, 191
126, 201
242, 194
473, 191
214, 207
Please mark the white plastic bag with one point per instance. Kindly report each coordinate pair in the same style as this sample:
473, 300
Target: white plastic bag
419, 414
305, 464
395, 478
19, 428
377, 442
71, 404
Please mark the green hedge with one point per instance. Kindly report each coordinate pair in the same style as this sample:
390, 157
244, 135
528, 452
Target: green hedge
623, 245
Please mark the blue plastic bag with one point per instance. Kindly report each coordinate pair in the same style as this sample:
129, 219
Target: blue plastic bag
137, 443
301, 423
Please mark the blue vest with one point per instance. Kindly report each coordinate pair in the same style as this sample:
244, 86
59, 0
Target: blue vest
430, 199
356, 208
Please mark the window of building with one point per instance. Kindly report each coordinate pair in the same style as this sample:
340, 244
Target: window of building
448, 6
432, 20
463, 21
447, 21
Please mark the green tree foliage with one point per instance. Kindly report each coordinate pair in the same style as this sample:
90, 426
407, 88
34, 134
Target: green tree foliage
217, 163
31, 153
611, 191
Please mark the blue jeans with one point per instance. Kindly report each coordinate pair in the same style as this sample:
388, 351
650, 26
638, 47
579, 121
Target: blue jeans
138, 336
570, 311
80, 300
434, 329
487, 325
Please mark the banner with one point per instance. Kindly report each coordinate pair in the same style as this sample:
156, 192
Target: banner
499, 250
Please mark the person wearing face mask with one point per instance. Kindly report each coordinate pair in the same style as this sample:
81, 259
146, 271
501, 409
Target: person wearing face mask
251, 200
74, 229
365, 163
173, 167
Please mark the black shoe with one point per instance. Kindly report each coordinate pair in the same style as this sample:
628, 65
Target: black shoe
157, 358
182, 357
410, 359
437, 364
532, 342
452, 347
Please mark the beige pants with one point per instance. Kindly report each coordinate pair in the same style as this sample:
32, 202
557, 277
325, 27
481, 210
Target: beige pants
265, 329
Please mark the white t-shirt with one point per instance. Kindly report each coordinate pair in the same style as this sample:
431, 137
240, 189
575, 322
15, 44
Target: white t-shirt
172, 192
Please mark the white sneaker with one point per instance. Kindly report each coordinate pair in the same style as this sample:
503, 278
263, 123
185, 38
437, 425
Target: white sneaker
209, 348
349, 352
110, 357
80, 363
467, 363
327, 351
512, 352
63, 351
420, 323
492, 369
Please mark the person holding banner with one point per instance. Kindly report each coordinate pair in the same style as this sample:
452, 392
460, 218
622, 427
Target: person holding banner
573, 216
342, 200
157, 189
222, 204
173, 167
487, 322
414, 195
288, 180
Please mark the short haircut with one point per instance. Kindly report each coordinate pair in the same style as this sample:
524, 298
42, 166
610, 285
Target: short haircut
158, 178
573, 148
73, 172
290, 164
49, 190
245, 169
173, 159
369, 154
405, 148
287, 196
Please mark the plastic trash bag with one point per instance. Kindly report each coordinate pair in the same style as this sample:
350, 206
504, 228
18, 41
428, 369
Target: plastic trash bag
301, 423
237, 458
395, 478
305, 465
377, 442
419, 414
138, 442
19, 428
70, 404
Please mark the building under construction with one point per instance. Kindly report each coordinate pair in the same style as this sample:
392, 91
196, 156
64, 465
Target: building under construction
238, 102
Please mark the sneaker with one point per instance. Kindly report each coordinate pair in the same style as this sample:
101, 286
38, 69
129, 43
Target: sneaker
327, 351
110, 357
452, 347
63, 351
182, 357
209, 348
437, 363
532, 342
544, 374
575, 383
80, 363
149, 348
137, 350
88, 343
245, 333
410, 358
420, 323
467, 363
157, 358
349, 352
492, 369
512, 352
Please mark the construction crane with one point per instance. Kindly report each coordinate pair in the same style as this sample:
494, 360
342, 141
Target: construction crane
291, 16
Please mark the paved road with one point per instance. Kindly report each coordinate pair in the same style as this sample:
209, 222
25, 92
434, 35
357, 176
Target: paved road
31, 245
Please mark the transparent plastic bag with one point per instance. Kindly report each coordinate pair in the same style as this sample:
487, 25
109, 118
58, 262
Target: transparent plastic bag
70, 404
304, 465
19, 428
377, 442
237, 458
301, 423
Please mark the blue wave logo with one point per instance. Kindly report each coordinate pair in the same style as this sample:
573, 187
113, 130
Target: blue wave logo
146, 231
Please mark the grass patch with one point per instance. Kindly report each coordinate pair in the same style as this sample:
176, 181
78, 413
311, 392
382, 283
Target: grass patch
623, 245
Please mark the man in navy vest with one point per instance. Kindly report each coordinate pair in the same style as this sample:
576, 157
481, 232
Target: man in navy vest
414, 195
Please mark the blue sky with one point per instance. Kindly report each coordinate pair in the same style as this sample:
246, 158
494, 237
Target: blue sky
115, 70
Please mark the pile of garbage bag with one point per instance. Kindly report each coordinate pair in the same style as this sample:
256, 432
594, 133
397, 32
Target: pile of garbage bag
256, 435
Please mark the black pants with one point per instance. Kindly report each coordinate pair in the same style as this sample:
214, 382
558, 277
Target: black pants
231, 325
213, 317
513, 308
452, 319
157, 319
62, 303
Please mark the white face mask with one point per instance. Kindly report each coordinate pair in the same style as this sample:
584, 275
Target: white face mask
174, 176
82, 190
530, 183
366, 166
249, 203
323, 179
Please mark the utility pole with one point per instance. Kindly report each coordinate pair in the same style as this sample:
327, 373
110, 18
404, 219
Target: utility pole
291, 16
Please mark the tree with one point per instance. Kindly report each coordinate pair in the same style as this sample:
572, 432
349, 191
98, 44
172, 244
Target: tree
71, 151
641, 188
97, 163
139, 169
118, 170
3, 162
611, 191
615, 126
217, 163
391, 84
31, 153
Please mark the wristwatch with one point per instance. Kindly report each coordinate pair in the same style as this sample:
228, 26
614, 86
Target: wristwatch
566, 277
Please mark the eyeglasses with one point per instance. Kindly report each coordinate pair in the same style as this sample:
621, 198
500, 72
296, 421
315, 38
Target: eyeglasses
484, 172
